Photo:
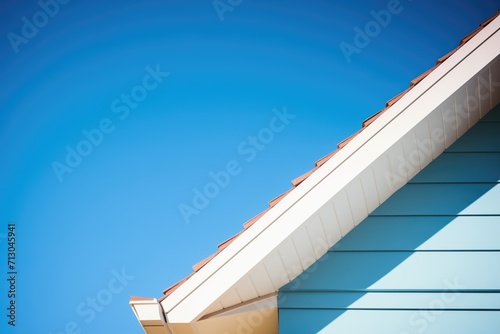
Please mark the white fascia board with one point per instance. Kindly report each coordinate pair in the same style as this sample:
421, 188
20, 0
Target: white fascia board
208, 285
148, 312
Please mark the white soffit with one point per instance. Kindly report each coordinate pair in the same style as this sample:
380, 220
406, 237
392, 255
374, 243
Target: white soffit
341, 193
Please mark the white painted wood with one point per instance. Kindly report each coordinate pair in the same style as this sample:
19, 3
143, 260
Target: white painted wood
330, 222
397, 161
484, 83
230, 298
317, 235
436, 131
261, 304
410, 154
291, 260
462, 111
217, 306
356, 199
449, 121
386, 180
262, 281
424, 142
473, 102
369, 189
343, 210
304, 247
149, 312
276, 270
245, 289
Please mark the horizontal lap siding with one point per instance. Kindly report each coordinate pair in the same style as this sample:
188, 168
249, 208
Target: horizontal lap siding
391, 322
426, 260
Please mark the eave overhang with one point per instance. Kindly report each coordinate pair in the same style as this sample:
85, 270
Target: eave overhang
340, 193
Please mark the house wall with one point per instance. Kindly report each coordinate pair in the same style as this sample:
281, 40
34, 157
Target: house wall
426, 261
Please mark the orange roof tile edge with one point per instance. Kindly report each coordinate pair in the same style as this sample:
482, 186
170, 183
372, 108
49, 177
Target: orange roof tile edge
372, 118
251, 221
276, 200
327, 157
415, 81
226, 243
203, 262
297, 181
446, 56
488, 21
348, 139
174, 287
135, 298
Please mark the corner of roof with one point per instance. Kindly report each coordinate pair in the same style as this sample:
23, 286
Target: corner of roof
297, 181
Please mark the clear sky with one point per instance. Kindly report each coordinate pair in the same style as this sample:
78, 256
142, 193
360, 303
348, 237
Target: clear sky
116, 115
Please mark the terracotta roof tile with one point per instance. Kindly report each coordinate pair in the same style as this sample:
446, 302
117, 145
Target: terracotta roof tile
226, 243
446, 56
488, 21
254, 219
300, 179
396, 98
174, 287
276, 200
469, 36
134, 298
323, 160
327, 157
348, 139
372, 118
415, 81
203, 262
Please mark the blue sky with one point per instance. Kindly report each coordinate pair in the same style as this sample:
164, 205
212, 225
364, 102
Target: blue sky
114, 115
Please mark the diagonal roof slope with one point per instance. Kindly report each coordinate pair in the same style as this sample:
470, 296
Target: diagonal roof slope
346, 185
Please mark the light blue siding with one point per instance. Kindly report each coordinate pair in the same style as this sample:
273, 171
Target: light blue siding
407, 233
426, 260
483, 137
393, 322
402, 271
443, 199
455, 300
446, 171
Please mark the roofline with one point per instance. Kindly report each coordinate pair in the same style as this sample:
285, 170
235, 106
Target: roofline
180, 306
181, 302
